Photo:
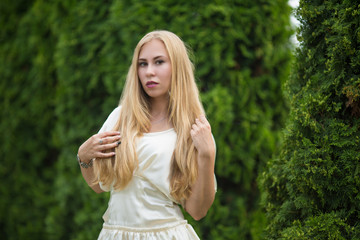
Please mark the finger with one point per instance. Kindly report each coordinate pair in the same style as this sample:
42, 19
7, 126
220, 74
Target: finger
98, 138
109, 139
195, 127
197, 121
108, 133
108, 146
200, 124
105, 155
203, 119
114, 138
192, 133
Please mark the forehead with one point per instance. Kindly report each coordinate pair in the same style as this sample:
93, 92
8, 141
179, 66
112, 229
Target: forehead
152, 49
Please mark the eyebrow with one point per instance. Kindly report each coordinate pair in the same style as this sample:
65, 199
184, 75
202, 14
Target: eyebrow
144, 59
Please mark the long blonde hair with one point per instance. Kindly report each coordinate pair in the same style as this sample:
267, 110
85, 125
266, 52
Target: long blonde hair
184, 107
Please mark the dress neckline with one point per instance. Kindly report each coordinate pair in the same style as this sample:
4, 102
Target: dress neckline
158, 133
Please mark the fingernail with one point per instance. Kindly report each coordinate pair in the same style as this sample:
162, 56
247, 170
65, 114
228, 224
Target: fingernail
119, 142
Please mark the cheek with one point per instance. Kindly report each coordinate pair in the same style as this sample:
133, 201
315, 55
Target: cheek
141, 75
167, 72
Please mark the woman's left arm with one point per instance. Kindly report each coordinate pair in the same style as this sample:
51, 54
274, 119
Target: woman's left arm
203, 191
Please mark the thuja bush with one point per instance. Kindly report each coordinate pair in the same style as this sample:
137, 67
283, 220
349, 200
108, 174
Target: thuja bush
64, 71
312, 187
27, 118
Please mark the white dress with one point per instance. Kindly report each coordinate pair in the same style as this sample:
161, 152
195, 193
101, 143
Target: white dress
145, 209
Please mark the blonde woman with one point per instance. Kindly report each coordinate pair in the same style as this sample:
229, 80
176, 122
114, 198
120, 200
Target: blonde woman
156, 150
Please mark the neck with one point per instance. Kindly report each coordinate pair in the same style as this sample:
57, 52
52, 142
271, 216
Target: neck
159, 109
159, 116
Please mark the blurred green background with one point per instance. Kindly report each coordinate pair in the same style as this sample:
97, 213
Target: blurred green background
62, 69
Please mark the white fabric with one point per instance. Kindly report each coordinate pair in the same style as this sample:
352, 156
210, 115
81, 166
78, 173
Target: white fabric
145, 209
179, 230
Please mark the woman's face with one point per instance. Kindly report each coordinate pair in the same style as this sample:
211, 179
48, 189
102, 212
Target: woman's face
154, 69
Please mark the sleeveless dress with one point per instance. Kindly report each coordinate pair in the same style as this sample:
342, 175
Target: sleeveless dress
144, 209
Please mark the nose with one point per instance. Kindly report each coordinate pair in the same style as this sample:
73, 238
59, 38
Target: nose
150, 70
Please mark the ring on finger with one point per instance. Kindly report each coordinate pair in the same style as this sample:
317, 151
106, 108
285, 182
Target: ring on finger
100, 141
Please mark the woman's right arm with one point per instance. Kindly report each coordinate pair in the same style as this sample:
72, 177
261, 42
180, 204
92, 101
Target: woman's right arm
96, 147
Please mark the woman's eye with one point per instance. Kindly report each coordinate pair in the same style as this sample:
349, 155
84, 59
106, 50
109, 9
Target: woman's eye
159, 62
142, 64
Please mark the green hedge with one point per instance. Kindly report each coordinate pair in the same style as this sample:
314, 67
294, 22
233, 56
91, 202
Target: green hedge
312, 187
62, 71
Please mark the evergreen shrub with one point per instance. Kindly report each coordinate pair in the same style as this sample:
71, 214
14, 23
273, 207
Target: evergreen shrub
311, 189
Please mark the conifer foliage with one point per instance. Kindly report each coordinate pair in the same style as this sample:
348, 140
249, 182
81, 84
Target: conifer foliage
62, 68
312, 187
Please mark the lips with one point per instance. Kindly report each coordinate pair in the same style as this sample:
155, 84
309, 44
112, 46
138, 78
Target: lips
151, 84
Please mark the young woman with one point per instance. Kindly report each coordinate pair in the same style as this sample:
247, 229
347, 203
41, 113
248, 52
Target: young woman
156, 150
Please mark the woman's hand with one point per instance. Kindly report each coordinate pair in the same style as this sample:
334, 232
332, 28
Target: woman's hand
202, 137
97, 145
203, 190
